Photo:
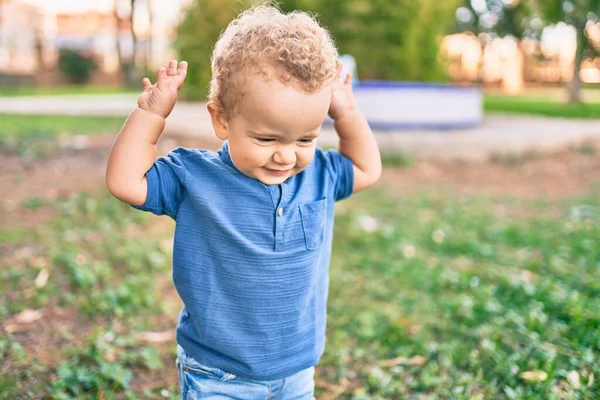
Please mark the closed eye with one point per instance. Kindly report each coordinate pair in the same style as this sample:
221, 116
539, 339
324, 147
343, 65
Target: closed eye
265, 140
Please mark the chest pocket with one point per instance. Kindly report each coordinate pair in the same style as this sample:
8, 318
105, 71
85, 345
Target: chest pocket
313, 222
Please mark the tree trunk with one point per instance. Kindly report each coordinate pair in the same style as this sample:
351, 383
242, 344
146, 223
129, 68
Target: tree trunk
574, 86
118, 38
125, 65
133, 36
148, 60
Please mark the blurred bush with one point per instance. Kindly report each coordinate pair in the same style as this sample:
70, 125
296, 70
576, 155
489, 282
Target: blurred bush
76, 66
197, 35
390, 39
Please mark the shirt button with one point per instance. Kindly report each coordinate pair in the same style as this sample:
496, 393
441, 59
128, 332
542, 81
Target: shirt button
280, 211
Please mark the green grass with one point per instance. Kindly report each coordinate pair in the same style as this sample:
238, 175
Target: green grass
397, 159
431, 297
94, 265
52, 125
540, 106
478, 298
11, 91
35, 134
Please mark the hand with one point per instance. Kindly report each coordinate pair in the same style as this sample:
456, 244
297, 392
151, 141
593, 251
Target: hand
160, 98
343, 101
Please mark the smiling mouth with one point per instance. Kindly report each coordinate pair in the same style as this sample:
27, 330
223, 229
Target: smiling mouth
278, 171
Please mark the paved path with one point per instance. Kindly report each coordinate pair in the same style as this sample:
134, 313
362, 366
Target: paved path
498, 134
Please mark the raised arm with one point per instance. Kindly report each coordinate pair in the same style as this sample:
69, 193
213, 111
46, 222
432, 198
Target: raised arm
357, 141
134, 150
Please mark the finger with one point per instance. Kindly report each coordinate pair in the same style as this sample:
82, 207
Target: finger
348, 80
182, 71
181, 74
146, 83
172, 71
339, 70
161, 74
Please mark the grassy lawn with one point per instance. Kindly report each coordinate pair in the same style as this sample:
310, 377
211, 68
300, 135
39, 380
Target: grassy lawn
431, 297
35, 133
445, 299
11, 91
540, 106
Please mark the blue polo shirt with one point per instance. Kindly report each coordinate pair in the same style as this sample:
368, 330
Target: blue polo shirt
250, 261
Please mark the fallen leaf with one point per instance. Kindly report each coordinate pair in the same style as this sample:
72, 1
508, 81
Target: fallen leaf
394, 361
38, 262
13, 328
414, 329
417, 360
538, 376
80, 259
414, 361
42, 278
527, 276
28, 316
156, 337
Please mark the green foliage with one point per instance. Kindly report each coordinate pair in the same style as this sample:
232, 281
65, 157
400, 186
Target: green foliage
528, 18
440, 297
197, 36
97, 269
390, 40
34, 203
35, 135
76, 66
397, 159
431, 296
12, 91
504, 18
589, 149
540, 106
101, 366
109, 277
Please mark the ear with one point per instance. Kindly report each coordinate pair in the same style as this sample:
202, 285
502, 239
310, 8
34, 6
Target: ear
219, 120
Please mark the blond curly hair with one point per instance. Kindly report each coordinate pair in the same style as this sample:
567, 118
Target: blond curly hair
263, 40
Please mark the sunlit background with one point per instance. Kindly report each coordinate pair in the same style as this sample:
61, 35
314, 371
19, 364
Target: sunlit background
33, 31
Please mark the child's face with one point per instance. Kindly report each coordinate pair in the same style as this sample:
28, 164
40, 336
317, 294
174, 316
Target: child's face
274, 135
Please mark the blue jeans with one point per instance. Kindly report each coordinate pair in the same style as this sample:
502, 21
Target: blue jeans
197, 381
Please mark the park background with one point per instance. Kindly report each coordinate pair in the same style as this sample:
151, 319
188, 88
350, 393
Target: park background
471, 271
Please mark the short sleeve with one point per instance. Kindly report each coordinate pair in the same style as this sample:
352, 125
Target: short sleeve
342, 172
166, 180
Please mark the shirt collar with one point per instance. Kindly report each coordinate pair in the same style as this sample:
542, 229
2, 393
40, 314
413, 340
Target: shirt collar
225, 156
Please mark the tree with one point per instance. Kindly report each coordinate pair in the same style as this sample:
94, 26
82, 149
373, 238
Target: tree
577, 13
390, 39
132, 4
500, 18
126, 65
518, 18
148, 53
197, 35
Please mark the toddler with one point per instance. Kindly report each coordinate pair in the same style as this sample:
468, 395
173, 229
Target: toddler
254, 221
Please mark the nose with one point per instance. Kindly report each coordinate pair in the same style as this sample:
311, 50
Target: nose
285, 155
